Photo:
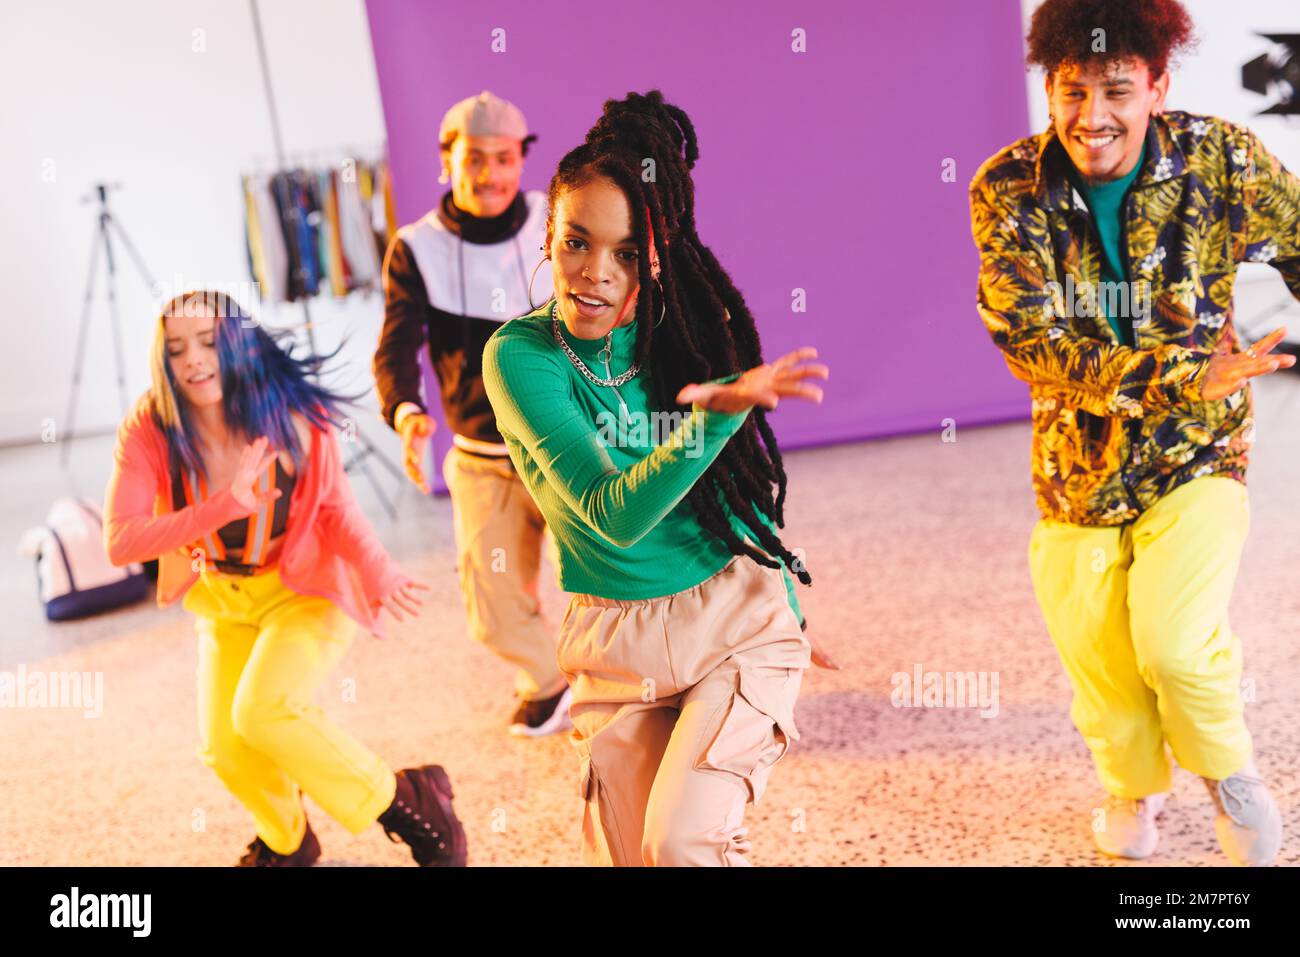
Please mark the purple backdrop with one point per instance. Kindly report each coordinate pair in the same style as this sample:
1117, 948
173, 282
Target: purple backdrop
817, 170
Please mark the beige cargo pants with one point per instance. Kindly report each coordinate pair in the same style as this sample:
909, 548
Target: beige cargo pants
681, 707
499, 540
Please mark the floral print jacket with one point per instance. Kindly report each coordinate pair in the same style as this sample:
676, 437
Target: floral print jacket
1116, 428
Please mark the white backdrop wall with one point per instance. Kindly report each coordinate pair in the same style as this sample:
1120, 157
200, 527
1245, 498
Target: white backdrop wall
165, 96
1208, 80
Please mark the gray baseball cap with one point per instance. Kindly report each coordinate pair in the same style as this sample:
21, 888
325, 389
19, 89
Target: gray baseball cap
483, 115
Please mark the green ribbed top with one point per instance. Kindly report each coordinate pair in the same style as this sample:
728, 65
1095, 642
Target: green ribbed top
612, 496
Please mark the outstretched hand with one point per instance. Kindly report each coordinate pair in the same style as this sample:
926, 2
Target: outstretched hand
253, 463
1230, 370
762, 385
405, 597
821, 658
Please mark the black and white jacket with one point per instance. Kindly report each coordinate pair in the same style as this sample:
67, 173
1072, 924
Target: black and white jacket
451, 279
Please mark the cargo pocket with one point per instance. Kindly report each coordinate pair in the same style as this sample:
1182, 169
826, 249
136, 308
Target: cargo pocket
602, 843
758, 727
584, 778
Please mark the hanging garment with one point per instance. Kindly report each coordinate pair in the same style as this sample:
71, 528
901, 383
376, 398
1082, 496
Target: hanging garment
389, 208
324, 230
369, 184
282, 190
337, 269
338, 260
308, 247
274, 280
355, 237
252, 235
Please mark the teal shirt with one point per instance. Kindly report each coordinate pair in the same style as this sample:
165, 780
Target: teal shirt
615, 504
1106, 203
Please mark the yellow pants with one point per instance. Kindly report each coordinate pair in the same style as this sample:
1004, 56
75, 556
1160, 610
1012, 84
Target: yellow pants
499, 537
263, 651
1139, 616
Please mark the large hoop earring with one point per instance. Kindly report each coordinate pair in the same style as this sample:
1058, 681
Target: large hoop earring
663, 309
531, 278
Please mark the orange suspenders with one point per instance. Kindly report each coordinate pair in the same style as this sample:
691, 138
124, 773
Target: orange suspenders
258, 539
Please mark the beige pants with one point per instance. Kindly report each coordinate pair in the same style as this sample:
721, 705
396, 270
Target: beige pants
499, 536
681, 706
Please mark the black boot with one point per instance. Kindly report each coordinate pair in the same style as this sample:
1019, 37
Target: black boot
422, 816
259, 855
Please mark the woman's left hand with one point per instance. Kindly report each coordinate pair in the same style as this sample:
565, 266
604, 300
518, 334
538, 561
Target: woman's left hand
820, 656
763, 385
405, 598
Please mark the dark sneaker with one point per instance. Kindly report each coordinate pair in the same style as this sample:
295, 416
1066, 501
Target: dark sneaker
259, 855
535, 719
422, 816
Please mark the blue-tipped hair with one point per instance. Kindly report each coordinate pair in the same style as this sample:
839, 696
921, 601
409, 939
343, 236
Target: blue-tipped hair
262, 383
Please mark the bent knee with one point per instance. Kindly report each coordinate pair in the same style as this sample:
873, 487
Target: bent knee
221, 751
257, 722
673, 842
1170, 656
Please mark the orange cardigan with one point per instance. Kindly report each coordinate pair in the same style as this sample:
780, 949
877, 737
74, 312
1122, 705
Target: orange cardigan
330, 549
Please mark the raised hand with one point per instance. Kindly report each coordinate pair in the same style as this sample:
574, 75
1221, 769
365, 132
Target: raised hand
405, 598
821, 658
253, 463
762, 385
415, 431
1230, 370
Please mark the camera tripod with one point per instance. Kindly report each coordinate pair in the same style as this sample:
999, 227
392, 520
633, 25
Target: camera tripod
106, 226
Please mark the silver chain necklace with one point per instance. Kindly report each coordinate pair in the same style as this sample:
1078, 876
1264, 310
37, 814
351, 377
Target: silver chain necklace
605, 354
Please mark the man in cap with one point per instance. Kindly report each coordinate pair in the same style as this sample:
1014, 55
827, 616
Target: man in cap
450, 280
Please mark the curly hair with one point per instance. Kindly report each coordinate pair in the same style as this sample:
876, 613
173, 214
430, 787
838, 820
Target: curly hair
1065, 31
707, 330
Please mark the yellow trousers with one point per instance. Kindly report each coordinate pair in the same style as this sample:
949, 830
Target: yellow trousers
263, 651
1139, 616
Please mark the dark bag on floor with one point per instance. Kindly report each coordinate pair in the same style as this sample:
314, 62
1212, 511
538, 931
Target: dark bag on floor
73, 573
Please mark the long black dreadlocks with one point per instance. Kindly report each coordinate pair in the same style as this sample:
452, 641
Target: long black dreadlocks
696, 343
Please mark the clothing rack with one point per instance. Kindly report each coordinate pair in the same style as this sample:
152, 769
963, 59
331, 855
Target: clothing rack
295, 214
316, 226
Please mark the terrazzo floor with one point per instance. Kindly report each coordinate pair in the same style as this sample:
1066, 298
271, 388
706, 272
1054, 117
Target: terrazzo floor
918, 548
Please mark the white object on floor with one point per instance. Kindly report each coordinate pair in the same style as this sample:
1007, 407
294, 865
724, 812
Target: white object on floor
73, 572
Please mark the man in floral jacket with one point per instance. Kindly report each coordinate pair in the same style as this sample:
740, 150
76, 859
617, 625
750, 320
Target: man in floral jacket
1109, 245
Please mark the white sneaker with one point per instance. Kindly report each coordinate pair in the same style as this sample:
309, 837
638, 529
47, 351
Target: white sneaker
536, 719
1248, 825
1126, 827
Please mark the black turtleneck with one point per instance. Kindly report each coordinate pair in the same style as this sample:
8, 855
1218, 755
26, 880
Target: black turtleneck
483, 230
455, 342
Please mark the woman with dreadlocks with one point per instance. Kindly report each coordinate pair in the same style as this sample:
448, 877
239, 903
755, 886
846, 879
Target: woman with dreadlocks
683, 641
